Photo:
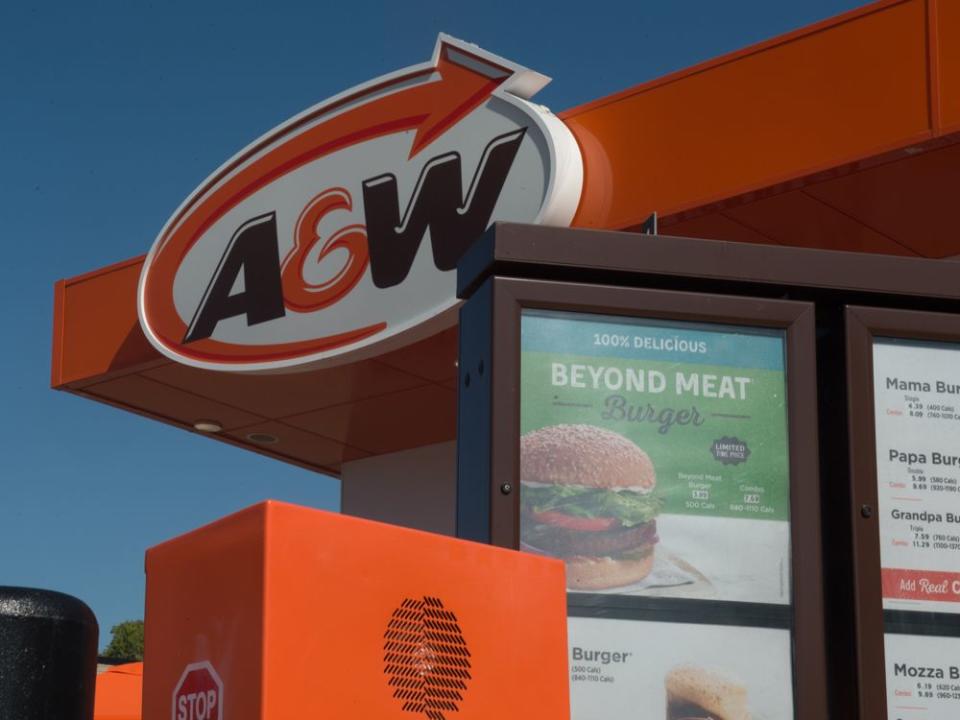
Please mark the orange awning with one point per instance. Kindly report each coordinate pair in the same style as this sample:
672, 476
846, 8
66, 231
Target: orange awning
842, 135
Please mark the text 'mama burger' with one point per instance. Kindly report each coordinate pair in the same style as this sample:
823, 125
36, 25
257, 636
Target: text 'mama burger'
587, 497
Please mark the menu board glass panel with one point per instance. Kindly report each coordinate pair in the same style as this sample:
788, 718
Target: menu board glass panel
626, 669
654, 455
923, 677
917, 401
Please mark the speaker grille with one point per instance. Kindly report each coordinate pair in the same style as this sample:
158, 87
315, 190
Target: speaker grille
425, 658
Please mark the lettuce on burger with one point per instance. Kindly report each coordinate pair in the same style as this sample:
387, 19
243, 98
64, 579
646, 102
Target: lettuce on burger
587, 496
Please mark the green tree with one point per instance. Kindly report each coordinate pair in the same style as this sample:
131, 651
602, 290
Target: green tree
126, 642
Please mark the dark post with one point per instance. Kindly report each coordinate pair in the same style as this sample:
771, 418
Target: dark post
48, 655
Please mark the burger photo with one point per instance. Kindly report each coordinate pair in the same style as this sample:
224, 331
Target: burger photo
697, 694
587, 496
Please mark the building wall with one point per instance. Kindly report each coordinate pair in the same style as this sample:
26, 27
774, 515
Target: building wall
414, 488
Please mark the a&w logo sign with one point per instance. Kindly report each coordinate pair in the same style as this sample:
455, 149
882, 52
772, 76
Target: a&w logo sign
337, 234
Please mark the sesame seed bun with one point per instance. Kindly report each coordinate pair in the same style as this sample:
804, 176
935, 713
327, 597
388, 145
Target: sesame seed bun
716, 694
584, 455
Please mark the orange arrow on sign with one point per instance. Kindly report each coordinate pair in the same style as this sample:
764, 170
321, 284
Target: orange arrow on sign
427, 99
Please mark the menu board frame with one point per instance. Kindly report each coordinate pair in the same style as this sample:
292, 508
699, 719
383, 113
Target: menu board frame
489, 433
864, 325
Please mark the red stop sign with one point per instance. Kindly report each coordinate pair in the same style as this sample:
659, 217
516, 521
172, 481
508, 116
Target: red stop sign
199, 694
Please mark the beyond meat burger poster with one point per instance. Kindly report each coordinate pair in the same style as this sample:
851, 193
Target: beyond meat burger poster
653, 455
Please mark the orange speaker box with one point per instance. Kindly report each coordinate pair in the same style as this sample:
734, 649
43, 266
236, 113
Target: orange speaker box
284, 612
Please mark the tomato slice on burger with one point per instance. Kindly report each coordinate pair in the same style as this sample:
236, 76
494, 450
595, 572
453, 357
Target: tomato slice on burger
572, 522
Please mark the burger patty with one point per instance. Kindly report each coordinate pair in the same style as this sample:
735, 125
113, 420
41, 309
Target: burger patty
561, 542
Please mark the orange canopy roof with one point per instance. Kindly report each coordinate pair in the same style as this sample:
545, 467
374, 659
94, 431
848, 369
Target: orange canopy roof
842, 135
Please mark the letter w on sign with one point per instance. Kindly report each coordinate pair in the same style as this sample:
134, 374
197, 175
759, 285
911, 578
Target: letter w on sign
437, 205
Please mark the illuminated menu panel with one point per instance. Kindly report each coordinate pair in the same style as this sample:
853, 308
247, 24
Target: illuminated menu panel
923, 677
623, 669
917, 400
653, 456
654, 461
916, 388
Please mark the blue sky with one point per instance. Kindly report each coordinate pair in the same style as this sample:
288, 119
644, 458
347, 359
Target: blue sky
112, 112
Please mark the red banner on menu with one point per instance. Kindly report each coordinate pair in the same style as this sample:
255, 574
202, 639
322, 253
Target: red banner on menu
921, 585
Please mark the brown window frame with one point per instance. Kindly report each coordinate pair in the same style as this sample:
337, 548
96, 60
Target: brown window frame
863, 326
490, 407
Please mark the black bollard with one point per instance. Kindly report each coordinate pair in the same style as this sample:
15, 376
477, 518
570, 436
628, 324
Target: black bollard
48, 656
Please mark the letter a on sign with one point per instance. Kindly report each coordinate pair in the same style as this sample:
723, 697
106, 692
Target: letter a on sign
336, 236
199, 694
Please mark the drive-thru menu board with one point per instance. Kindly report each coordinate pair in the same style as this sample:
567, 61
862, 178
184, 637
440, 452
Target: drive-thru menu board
654, 461
653, 455
917, 401
916, 388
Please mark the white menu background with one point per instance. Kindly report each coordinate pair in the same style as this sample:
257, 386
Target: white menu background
923, 677
917, 419
631, 687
